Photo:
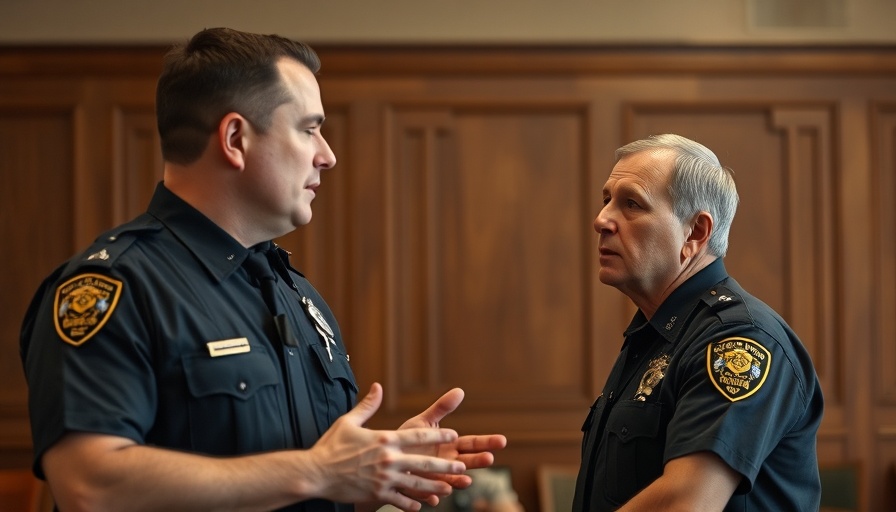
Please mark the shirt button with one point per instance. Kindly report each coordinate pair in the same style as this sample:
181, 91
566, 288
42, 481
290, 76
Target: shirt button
290, 352
243, 386
624, 431
610, 397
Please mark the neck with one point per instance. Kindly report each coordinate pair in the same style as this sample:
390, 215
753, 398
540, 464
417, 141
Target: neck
650, 303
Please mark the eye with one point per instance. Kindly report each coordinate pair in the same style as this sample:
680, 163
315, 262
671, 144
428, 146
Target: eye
632, 204
606, 200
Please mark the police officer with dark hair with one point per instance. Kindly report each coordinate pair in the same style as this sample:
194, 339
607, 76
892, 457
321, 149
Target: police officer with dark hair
182, 363
713, 403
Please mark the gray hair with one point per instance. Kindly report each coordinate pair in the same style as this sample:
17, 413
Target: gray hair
698, 183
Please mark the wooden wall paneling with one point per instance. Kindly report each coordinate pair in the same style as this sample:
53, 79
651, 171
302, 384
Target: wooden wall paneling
365, 322
430, 239
488, 260
92, 172
488, 257
811, 213
882, 116
137, 167
37, 131
883, 147
321, 250
418, 170
813, 286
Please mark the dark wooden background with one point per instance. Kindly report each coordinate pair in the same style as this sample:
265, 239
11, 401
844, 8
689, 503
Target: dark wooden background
454, 240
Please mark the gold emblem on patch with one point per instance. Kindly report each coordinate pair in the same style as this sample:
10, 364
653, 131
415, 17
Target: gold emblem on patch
652, 377
83, 305
737, 367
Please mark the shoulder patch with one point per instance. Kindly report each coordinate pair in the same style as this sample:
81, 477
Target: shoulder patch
83, 305
737, 367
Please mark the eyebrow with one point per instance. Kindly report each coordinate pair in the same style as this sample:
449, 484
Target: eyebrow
628, 189
314, 118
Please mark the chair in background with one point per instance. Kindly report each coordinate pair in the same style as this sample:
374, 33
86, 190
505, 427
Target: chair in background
841, 487
556, 487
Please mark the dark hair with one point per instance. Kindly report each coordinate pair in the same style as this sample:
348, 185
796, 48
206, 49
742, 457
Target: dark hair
219, 71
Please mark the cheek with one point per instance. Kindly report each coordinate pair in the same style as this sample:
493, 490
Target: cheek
655, 245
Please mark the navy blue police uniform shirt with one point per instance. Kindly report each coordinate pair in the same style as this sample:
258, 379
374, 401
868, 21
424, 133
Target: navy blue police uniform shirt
157, 333
714, 370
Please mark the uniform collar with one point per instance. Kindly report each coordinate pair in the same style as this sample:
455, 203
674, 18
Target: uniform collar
672, 313
213, 247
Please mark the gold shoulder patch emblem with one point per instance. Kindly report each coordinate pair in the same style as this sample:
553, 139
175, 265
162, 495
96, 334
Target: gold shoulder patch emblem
83, 305
737, 367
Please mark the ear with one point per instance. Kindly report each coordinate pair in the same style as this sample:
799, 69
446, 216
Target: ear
232, 139
698, 239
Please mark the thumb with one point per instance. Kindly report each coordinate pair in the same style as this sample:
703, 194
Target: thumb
367, 407
445, 405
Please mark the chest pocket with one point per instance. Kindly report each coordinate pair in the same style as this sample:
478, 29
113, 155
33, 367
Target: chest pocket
635, 445
337, 384
234, 403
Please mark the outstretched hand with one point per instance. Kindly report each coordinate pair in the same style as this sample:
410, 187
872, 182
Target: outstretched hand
475, 451
360, 465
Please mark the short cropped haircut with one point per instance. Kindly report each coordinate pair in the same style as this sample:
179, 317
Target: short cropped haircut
698, 183
217, 72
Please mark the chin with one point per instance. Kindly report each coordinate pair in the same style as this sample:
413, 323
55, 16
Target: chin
606, 277
302, 216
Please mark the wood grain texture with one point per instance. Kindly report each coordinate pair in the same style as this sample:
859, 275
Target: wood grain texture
454, 237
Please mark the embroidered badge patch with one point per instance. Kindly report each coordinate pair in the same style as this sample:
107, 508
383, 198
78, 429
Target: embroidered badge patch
83, 305
652, 377
737, 367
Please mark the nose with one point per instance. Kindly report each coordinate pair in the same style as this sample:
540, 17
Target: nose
602, 222
325, 158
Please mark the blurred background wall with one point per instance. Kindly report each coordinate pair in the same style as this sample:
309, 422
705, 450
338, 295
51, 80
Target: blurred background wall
453, 240
691, 22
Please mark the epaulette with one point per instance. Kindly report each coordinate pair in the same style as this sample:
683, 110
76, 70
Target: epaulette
727, 305
87, 293
109, 246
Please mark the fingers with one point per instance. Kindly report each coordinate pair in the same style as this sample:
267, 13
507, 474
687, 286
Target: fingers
455, 481
415, 486
420, 437
423, 465
477, 460
481, 443
367, 407
412, 500
445, 405
423, 497
397, 455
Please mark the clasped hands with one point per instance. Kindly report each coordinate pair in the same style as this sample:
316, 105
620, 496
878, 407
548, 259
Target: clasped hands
417, 463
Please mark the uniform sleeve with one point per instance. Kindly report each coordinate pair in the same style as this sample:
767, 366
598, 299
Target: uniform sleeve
738, 393
87, 361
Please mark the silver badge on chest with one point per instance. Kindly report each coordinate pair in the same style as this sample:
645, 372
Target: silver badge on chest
320, 323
